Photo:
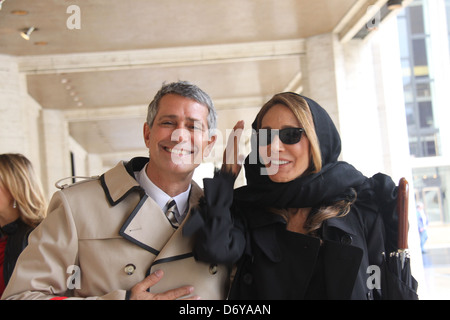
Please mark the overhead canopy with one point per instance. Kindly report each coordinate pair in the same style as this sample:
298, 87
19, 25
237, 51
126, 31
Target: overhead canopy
102, 61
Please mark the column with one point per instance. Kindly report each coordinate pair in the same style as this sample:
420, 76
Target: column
56, 159
19, 114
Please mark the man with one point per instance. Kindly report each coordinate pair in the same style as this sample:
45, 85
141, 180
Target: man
422, 223
109, 237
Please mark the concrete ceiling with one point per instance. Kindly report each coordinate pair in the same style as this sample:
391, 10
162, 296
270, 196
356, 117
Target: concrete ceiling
104, 74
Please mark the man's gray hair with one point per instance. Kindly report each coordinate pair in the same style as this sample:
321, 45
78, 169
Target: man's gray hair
184, 89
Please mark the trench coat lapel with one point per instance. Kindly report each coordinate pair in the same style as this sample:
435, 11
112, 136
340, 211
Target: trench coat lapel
147, 225
341, 260
341, 263
176, 259
179, 247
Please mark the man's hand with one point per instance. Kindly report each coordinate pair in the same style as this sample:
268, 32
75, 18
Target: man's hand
139, 291
232, 160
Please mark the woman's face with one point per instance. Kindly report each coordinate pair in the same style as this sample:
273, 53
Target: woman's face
6, 201
284, 162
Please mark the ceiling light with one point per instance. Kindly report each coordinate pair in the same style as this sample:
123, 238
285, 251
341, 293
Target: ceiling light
19, 12
1, 3
27, 32
394, 4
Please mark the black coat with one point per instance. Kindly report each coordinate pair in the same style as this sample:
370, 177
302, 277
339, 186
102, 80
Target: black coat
273, 263
17, 233
280, 264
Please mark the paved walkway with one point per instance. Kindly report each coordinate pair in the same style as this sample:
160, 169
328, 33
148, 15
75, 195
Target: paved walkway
436, 263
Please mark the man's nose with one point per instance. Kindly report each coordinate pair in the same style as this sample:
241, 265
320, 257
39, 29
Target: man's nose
180, 135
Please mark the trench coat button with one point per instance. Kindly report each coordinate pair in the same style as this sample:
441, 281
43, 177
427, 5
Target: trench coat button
248, 278
129, 269
346, 239
213, 269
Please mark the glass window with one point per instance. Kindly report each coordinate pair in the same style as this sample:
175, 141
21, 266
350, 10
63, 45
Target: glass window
408, 94
426, 114
423, 90
432, 201
403, 37
416, 19
406, 71
447, 6
413, 149
420, 58
430, 148
410, 120
431, 185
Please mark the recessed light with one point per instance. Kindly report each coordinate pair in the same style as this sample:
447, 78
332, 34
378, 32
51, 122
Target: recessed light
40, 43
19, 12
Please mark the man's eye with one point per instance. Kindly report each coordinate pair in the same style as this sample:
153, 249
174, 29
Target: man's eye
194, 127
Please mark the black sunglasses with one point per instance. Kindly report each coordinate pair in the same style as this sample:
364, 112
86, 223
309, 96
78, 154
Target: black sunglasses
287, 135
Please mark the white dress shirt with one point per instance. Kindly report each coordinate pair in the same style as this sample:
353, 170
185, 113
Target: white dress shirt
160, 197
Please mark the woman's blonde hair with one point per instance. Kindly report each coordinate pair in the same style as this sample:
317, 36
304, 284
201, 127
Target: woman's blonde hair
300, 108
18, 176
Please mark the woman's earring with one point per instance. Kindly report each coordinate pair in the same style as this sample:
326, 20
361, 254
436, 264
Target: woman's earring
15, 204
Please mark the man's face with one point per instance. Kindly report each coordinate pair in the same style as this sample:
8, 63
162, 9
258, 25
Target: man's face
178, 139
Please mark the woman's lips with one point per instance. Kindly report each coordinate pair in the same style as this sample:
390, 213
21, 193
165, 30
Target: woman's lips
279, 162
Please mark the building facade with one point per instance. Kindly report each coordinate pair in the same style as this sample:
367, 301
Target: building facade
424, 29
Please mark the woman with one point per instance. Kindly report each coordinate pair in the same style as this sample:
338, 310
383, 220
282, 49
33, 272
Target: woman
306, 226
22, 208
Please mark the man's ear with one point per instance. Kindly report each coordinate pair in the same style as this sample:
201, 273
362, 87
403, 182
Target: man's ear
146, 132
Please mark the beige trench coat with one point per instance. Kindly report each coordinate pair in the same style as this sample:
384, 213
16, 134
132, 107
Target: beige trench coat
103, 236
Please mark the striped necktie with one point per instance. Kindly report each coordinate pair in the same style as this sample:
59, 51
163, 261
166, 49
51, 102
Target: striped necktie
170, 213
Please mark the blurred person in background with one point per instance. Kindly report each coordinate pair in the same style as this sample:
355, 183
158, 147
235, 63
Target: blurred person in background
22, 208
422, 223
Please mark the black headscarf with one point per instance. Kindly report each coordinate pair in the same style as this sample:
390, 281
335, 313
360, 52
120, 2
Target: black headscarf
335, 181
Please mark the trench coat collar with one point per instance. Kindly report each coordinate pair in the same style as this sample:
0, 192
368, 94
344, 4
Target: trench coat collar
119, 183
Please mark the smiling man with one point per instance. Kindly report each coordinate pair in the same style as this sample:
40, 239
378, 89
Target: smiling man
178, 138
119, 236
